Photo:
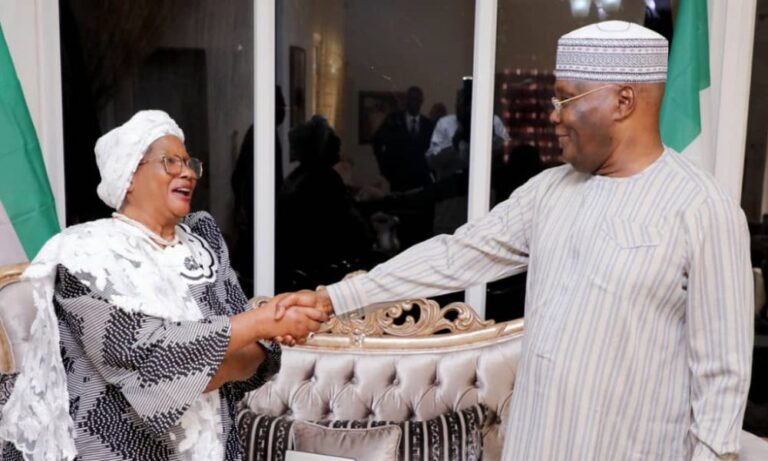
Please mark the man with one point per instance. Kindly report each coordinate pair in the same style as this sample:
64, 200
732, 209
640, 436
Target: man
401, 142
449, 158
450, 126
639, 297
400, 145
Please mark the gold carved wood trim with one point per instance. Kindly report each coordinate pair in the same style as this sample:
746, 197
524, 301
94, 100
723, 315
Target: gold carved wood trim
404, 345
7, 362
410, 325
11, 273
8, 274
397, 319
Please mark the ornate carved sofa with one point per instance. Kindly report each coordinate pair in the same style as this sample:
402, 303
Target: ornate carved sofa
389, 366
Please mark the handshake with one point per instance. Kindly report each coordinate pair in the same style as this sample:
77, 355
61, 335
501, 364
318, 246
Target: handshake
293, 317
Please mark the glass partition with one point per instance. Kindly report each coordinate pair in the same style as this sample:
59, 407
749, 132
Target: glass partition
373, 149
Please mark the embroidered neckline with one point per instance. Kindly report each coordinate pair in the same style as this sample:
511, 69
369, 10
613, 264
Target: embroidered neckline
158, 239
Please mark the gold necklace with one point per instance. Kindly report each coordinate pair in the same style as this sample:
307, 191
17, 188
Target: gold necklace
160, 240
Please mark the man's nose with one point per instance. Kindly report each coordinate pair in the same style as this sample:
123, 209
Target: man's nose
554, 116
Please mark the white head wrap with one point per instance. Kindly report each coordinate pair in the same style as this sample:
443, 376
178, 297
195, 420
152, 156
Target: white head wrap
119, 152
612, 51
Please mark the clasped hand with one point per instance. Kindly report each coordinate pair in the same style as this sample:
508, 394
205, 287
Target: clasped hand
295, 316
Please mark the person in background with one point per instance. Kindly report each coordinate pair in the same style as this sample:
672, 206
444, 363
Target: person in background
445, 133
400, 145
315, 191
401, 142
437, 111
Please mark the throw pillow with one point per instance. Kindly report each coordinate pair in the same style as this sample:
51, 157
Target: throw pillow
455, 435
371, 444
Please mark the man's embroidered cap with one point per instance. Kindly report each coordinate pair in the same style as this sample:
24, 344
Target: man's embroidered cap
612, 51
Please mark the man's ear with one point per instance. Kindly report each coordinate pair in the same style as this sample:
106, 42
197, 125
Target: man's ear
626, 102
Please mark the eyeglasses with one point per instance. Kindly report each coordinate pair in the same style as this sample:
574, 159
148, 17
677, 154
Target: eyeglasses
558, 104
173, 165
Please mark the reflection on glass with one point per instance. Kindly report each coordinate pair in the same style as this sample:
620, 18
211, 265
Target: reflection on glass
526, 44
371, 87
193, 60
754, 201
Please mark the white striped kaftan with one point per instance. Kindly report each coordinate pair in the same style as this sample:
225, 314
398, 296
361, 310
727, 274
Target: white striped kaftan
639, 310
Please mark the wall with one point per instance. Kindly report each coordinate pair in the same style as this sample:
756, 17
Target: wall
19, 21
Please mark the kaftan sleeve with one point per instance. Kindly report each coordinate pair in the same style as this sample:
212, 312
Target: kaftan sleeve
489, 248
719, 315
160, 366
272, 360
268, 368
235, 300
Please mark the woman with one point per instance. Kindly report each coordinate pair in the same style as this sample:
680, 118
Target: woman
143, 344
315, 192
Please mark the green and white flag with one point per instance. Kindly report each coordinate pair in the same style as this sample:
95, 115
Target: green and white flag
27, 209
686, 111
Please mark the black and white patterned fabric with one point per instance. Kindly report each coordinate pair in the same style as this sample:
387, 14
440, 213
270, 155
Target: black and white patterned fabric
6, 386
132, 376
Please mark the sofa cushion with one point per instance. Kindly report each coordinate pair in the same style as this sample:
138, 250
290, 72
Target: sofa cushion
264, 438
368, 444
459, 435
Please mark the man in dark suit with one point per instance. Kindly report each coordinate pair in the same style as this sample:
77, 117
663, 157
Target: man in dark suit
401, 142
400, 145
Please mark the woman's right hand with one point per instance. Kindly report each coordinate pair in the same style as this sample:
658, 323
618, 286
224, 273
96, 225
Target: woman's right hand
297, 322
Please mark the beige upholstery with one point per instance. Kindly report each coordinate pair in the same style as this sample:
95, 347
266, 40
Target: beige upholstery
395, 385
381, 369
17, 312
